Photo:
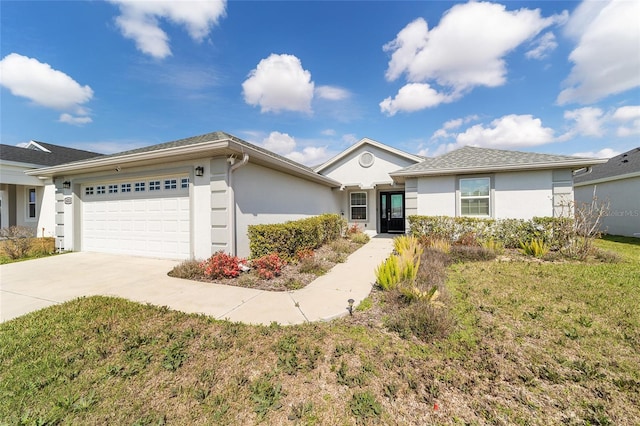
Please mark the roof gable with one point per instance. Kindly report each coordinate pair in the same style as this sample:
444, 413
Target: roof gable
363, 143
477, 160
43, 154
627, 163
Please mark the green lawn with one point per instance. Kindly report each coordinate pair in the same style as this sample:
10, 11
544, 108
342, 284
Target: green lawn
535, 343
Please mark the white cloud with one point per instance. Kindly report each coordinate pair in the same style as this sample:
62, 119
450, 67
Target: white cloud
139, 21
446, 131
279, 83
465, 50
543, 45
31, 79
280, 143
332, 93
75, 120
286, 145
349, 138
328, 132
414, 97
603, 153
588, 121
629, 116
606, 59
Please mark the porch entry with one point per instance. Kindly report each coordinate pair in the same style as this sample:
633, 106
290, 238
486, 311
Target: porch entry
392, 212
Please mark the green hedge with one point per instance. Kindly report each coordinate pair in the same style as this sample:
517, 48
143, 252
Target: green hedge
556, 231
288, 238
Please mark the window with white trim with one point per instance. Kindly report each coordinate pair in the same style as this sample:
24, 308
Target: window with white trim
138, 187
113, 189
101, 189
475, 196
154, 185
125, 187
184, 182
171, 184
31, 203
88, 190
358, 205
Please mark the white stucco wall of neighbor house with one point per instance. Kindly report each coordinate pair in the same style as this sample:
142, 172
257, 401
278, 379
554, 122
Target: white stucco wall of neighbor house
264, 196
623, 196
523, 195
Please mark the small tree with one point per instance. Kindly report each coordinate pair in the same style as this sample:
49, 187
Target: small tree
17, 241
586, 226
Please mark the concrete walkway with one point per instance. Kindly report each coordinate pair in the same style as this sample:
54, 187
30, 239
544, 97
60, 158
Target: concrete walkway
36, 284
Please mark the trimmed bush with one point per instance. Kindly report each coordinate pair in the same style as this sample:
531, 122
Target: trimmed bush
288, 238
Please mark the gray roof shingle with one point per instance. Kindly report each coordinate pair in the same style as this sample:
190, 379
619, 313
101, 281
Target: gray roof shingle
472, 158
623, 164
58, 154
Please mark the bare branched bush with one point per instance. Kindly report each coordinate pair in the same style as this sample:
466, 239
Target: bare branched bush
16, 241
585, 227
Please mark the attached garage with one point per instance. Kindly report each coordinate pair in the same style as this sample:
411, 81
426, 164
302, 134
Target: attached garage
140, 217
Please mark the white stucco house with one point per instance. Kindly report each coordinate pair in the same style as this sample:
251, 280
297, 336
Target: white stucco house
617, 182
191, 197
27, 200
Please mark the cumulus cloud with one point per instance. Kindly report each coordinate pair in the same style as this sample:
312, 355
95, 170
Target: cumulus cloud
286, 145
40, 83
603, 153
414, 97
588, 121
464, 50
279, 83
139, 21
507, 132
629, 119
543, 45
446, 131
332, 93
605, 59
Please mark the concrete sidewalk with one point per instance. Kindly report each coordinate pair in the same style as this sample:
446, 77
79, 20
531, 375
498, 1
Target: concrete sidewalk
36, 284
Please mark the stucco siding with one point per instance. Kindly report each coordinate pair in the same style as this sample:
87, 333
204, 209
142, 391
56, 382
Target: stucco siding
436, 196
264, 196
349, 171
523, 195
623, 196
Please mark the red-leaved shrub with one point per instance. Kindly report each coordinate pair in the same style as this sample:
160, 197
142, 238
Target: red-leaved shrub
221, 265
269, 266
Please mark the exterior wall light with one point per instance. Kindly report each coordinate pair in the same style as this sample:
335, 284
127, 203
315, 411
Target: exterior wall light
199, 171
66, 184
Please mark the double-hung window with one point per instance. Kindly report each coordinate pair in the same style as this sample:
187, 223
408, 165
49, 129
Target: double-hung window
475, 196
358, 206
31, 203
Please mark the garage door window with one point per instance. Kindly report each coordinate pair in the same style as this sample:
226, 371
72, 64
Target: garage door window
139, 186
154, 185
88, 190
101, 189
171, 184
113, 189
126, 187
184, 183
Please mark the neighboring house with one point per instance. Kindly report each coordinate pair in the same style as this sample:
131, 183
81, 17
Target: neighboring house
618, 183
192, 197
26, 200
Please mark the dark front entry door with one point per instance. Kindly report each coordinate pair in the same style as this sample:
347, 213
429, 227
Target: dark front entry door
392, 212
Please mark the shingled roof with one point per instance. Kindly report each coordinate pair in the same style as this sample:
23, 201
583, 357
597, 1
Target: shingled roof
624, 164
33, 155
478, 160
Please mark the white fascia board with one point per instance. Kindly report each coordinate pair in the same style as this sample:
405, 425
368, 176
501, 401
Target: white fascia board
504, 168
608, 179
367, 141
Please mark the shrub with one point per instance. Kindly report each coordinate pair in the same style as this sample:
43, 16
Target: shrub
493, 245
311, 265
17, 241
189, 269
388, 273
422, 319
436, 244
360, 238
303, 254
536, 247
269, 266
364, 406
471, 254
340, 246
221, 265
468, 238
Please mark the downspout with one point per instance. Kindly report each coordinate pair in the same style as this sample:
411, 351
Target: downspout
233, 166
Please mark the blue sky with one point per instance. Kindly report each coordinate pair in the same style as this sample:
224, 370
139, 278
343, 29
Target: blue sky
307, 79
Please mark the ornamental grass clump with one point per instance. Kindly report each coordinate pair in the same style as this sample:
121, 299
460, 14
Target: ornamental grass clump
536, 247
388, 273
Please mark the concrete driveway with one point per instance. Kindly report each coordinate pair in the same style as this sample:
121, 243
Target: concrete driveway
39, 283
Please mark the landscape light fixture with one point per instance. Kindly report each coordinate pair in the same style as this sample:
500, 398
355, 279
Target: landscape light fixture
350, 308
199, 171
66, 184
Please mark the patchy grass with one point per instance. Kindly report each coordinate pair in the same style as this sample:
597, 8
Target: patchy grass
534, 343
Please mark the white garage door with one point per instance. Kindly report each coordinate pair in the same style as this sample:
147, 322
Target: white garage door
143, 217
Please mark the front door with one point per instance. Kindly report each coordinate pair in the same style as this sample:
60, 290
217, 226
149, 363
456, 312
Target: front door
392, 212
